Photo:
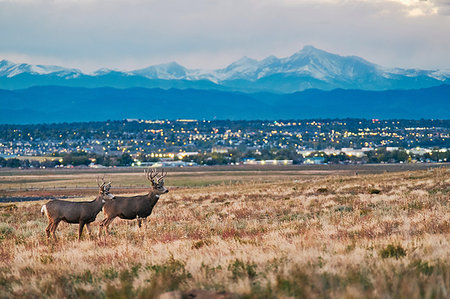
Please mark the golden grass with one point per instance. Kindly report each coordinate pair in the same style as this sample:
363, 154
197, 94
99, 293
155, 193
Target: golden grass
384, 235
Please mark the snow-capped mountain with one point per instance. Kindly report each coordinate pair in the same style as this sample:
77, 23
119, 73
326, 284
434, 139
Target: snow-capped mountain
10, 69
308, 68
169, 71
307, 62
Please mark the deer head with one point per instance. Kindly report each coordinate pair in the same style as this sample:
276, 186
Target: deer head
103, 189
158, 184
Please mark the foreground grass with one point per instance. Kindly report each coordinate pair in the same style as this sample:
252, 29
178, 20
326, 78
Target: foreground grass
384, 235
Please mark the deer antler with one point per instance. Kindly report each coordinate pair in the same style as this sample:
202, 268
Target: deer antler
150, 174
162, 175
103, 181
104, 185
107, 186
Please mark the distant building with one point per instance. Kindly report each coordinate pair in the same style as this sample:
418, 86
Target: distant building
331, 151
143, 164
314, 160
354, 152
305, 152
419, 151
164, 164
186, 154
220, 149
93, 165
391, 148
267, 162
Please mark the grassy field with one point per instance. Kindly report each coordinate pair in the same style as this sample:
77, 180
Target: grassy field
275, 233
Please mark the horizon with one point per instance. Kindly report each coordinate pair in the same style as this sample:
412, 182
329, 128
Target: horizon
209, 120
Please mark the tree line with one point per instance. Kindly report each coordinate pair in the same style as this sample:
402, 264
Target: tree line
80, 159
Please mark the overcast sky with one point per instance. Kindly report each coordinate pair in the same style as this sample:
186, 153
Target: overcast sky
130, 34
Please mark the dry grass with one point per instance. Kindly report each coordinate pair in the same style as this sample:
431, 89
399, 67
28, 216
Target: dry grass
384, 235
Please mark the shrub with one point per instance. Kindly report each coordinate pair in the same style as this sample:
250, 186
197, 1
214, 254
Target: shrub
5, 231
200, 244
125, 290
296, 284
422, 267
171, 274
110, 274
240, 270
393, 251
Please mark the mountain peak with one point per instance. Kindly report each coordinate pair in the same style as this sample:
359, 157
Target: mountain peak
309, 50
244, 60
170, 64
5, 62
270, 59
167, 71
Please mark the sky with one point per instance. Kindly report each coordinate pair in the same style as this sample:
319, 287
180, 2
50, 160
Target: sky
209, 34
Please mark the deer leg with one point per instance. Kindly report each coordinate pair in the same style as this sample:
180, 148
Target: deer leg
88, 227
100, 229
145, 223
54, 226
107, 223
80, 230
139, 221
103, 221
48, 228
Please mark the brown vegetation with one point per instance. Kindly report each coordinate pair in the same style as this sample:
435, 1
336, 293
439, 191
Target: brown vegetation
383, 235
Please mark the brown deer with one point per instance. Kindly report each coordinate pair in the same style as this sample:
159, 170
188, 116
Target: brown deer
135, 207
81, 212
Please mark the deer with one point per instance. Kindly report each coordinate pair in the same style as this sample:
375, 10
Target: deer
135, 207
80, 212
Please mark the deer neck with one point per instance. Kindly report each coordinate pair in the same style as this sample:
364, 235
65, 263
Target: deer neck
99, 201
153, 196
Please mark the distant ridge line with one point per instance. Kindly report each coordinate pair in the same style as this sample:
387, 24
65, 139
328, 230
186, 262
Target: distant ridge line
48, 104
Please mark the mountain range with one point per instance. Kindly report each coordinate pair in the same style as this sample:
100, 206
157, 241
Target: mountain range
310, 68
311, 83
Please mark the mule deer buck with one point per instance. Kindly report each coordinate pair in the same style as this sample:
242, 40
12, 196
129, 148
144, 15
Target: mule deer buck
81, 212
135, 207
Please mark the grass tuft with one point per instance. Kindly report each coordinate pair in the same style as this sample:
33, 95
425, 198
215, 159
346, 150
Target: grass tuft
390, 250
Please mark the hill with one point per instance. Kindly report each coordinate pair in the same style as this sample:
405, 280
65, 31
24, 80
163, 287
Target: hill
69, 104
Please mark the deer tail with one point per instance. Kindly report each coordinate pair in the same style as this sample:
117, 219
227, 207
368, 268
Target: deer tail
44, 210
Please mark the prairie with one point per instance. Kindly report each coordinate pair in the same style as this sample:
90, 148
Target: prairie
255, 234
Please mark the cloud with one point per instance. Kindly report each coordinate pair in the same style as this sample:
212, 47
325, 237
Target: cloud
443, 6
208, 34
